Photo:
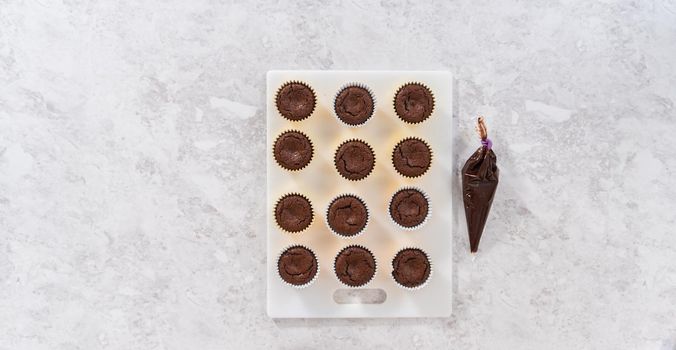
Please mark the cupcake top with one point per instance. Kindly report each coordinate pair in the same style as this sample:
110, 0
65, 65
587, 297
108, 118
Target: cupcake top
297, 265
414, 103
411, 268
354, 160
293, 213
355, 266
293, 150
295, 101
354, 105
409, 207
347, 215
411, 157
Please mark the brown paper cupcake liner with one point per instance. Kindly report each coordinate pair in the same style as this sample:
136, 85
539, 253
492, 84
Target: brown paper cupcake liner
335, 155
375, 266
274, 212
429, 277
312, 150
314, 96
394, 101
356, 84
297, 286
429, 208
326, 215
428, 147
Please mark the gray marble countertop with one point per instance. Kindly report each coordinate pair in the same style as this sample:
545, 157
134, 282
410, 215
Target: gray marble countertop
132, 159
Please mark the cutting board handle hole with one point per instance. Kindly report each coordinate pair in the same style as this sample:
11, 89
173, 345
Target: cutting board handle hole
359, 296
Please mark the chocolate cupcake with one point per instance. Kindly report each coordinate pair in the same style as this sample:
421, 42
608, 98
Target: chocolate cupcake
293, 213
297, 266
409, 208
355, 266
293, 150
413, 103
354, 159
354, 104
347, 216
411, 268
412, 157
295, 100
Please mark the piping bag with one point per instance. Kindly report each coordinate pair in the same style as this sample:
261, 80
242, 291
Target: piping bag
479, 182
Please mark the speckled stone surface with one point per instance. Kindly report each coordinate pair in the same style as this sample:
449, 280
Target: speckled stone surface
127, 129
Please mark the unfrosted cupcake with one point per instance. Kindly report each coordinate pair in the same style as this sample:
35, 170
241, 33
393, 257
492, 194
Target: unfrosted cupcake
409, 208
354, 104
297, 266
354, 159
293, 150
411, 268
413, 103
295, 100
347, 215
293, 213
412, 157
355, 266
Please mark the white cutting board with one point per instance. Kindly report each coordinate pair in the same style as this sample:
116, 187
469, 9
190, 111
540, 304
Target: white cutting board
320, 182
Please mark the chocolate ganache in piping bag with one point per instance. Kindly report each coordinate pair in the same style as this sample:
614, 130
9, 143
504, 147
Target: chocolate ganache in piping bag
479, 181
